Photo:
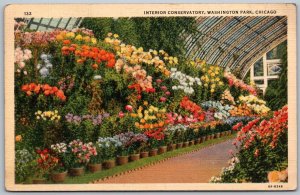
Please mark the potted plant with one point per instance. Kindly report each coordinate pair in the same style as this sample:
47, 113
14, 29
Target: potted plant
59, 172
109, 147
78, 157
45, 162
136, 143
122, 150
144, 150
153, 145
95, 161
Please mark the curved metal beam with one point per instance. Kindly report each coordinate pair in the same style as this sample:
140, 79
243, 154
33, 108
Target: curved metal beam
258, 55
241, 38
221, 24
222, 21
216, 46
263, 43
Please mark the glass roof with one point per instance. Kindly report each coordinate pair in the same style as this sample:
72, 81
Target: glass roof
235, 43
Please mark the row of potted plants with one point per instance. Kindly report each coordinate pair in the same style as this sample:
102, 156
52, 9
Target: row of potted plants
73, 158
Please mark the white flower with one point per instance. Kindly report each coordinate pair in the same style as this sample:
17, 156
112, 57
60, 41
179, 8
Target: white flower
174, 87
97, 77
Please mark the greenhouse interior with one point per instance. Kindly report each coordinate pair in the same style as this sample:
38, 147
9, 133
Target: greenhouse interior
151, 100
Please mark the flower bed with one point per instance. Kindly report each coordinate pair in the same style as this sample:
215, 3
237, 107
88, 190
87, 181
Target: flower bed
95, 103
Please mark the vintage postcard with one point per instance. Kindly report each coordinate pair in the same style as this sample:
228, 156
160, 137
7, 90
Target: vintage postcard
148, 97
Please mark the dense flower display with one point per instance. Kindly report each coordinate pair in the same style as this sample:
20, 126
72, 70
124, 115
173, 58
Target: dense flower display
233, 81
89, 101
45, 89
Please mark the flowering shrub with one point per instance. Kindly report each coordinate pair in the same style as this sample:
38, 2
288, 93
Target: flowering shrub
212, 76
80, 153
21, 56
48, 115
45, 163
46, 89
24, 164
221, 112
256, 104
96, 120
233, 81
262, 147
150, 118
108, 146
185, 82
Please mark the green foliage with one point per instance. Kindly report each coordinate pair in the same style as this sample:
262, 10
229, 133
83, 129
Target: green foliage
149, 33
276, 93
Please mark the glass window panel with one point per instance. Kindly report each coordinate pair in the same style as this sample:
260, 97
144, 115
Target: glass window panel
274, 69
259, 68
259, 82
54, 22
33, 26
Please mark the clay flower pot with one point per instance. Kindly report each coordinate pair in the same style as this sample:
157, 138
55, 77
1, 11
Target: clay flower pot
222, 134
218, 135
174, 146
122, 160
94, 167
108, 164
207, 137
170, 147
196, 141
199, 140
162, 149
39, 181
153, 152
144, 154
76, 171
203, 139
185, 144
179, 145
191, 143
134, 157
58, 177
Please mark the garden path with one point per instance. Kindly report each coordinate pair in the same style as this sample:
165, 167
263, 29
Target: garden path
195, 167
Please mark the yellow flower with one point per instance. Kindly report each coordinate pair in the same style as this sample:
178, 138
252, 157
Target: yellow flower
145, 103
212, 90
70, 35
39, 112
140, 115
116, 35
94, 40
78, 38
212, 74
109, 34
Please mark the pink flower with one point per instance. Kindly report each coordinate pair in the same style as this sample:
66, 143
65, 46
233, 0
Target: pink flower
121, 114
128, 108
164, 88
168, 93
162, 99
158, 81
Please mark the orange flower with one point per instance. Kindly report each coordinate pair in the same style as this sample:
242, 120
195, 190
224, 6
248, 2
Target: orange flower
161, 124
66, 42
142, 120
273, 176
18, 138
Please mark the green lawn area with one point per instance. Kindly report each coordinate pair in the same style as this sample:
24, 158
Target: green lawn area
89, 177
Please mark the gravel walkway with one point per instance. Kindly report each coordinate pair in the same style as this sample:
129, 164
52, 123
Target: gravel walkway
196, 167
